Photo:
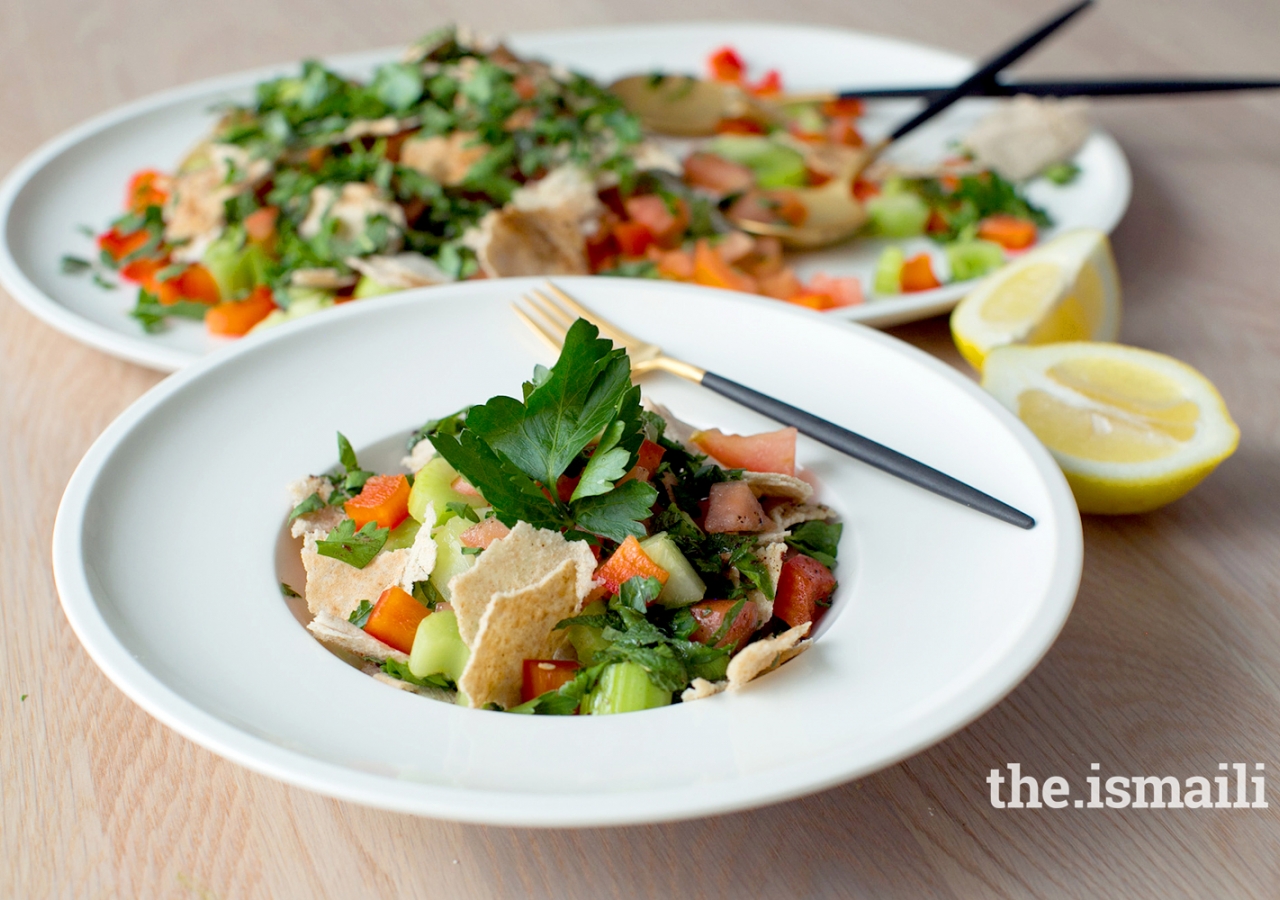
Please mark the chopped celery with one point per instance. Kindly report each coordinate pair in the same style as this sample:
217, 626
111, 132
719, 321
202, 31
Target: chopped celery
774, 165
588, 640
897, 214
403, 535
973, 259
433, 483
450, 560
367, 287
624, 687
438, 648
683, 586
888, 277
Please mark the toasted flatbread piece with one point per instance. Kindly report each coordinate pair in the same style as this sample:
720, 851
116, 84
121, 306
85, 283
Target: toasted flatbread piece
422, 555
517, 625
775, 484
522, 558
787, 513
335, 632
700, 689
760, 657
426, 690
336, 588
771, 555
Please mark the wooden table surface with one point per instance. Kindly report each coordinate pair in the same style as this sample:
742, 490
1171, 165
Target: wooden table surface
1170, 662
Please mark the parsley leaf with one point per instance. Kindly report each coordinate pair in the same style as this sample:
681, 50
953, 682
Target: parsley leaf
819, 540
401, 671
617, 514
637, 593
309, 505
462, 510
426, 593
74, 265
287, 591
355, 548
360, 615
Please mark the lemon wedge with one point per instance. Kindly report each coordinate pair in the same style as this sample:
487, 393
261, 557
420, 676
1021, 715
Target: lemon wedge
1064, 290
1131, 429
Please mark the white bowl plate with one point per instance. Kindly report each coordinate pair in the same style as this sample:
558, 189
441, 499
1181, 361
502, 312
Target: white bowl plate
165, 555
79, 178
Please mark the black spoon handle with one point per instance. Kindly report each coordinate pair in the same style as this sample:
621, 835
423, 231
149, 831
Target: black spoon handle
868, 451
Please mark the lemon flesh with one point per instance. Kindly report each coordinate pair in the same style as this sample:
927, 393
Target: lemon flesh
1064, 290
1131, 429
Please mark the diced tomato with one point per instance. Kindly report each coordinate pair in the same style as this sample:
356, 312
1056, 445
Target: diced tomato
864, 190
121, 245
765, 258
710, 616
482, 534
384, 500
733, 508
633, 238
602, 248
149, 187
769, 84
726, 65
650, 455
781, 285
842, 291
464, 487
628, 561
849, 107
1008, 231
565, 486
260, 226
676, 265
917, 274
525, 87
841, 130
395, 617
803, 590
772, 451
542, 675
937, 222
735, 247
197, 283
779, 207
667, 223
709, 268
717, 174
235, 317
739, 126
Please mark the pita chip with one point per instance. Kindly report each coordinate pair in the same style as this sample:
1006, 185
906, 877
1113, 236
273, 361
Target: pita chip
340, 633
775, 484
517, 625
758, 658
523, 558
700, 689
422, 555
336, 588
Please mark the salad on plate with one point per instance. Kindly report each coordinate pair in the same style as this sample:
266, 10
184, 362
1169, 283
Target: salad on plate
570, 550
462, 160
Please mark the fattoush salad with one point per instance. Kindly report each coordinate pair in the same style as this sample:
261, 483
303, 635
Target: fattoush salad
461, 160
568, 551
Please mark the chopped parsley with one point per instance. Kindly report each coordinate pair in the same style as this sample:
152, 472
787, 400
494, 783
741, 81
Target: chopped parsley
287, 591
355, 548
817, 539
360, 615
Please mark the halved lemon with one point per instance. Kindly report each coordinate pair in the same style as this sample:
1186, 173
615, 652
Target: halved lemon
1131, 429
1064, 290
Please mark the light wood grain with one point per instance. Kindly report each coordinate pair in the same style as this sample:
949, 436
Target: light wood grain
1169, 664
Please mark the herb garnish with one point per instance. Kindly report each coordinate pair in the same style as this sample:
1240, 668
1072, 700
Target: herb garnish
355, 548
819, 540
511, 450
360, 615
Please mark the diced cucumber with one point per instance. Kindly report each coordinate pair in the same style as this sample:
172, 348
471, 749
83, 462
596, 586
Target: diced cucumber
236, 268
888, 277
587, 640
683, 585
624, 687
807, 117
973, 259
403, 535
898, 215
774, 165
367, 287
302, 302
450, 560
438, 648
433, 484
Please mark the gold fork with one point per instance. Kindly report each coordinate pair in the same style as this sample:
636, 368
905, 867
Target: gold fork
551, 314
